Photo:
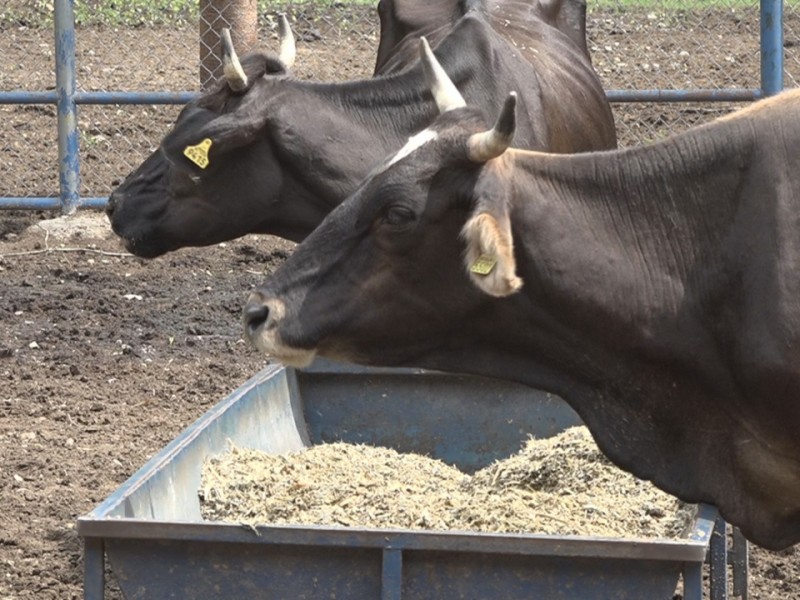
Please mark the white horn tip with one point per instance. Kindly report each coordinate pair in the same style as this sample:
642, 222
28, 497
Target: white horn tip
288, 52
444, 91
231, 67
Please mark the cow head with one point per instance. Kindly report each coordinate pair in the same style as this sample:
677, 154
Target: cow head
410, 257
180, 189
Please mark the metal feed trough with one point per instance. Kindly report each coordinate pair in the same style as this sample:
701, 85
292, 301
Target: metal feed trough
158, 546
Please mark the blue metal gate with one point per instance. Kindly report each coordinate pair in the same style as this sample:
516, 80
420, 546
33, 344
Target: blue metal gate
66, 98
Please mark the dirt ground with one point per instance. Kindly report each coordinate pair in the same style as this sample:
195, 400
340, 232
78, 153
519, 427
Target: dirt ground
105, 357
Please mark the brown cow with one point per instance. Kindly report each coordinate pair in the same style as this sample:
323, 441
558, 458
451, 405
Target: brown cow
656, 289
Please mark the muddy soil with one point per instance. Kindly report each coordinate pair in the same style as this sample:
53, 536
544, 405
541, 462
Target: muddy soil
105, 358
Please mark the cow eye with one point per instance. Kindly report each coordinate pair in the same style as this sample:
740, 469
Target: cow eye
398, 215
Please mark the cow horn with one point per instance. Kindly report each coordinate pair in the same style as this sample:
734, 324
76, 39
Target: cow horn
231, 67
444, 90
491, 144
288, 48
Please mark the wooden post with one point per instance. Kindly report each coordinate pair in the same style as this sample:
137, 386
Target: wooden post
241, 16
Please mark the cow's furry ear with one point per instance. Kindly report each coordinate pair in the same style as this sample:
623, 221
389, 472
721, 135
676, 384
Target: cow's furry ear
489, 254
201, 135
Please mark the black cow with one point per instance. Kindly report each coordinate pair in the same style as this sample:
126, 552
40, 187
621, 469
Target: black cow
403, 22
656, 289
281, 153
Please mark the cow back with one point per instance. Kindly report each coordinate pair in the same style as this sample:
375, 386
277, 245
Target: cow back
403, 22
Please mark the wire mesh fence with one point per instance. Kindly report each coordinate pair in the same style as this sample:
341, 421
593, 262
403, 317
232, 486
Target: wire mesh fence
158, 45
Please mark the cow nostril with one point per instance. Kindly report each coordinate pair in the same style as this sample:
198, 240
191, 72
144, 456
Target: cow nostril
255, 315
110, 205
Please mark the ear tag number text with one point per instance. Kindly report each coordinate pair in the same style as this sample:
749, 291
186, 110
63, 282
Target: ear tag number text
483, 265
198, 154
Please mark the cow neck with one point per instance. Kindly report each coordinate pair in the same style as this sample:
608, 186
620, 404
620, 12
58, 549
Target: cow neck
343, 131
400, 104
390, 107
607, 242
657, 208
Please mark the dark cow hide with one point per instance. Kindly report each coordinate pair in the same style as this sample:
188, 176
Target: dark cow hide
277, 154
403, 22
656, 289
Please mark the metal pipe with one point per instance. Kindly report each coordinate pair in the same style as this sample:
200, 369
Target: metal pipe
48, 203
68, 138
656, 95
22, 97
771, 46
135, 97
707, 95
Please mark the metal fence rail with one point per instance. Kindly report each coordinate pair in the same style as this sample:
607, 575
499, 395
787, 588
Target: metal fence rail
66, 97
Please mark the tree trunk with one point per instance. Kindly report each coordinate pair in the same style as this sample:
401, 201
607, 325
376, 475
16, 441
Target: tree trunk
241, 16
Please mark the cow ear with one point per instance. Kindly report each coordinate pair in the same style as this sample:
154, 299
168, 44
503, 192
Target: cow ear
202, 135
184, 134
489, 255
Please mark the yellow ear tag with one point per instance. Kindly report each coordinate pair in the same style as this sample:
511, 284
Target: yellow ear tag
198, 154
483, 265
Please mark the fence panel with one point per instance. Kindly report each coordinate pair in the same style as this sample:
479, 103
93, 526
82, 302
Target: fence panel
149, 51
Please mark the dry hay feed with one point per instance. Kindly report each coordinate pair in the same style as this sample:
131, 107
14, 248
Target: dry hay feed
559, 486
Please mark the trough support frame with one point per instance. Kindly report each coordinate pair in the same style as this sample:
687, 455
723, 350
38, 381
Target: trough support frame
728, 549
718, 561
392, 574
94, 583
693, 581
738, 557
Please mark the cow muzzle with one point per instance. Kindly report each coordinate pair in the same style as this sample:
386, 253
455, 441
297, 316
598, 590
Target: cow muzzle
114, 200
262, 321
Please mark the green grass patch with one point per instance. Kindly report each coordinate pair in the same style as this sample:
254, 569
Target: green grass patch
684, 6
148, 13
139, 13
135, 13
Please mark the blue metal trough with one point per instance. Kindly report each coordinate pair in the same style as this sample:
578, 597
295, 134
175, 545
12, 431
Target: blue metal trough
158, 546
